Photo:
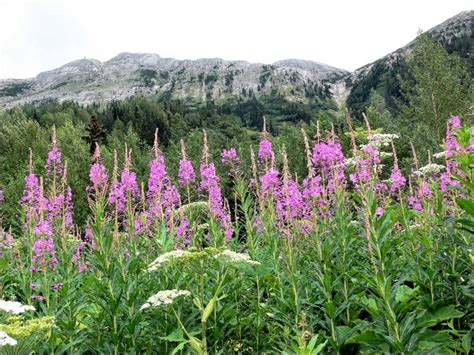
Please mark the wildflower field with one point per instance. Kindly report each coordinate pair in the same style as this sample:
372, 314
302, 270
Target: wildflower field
355, 257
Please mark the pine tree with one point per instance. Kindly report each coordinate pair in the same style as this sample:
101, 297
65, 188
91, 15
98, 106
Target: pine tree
96, 133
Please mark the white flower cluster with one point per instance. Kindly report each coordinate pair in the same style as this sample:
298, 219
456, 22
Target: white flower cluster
164, 297
381, 139
5, 339
430, 169
175, 254
14, 307
439, 155
230, 256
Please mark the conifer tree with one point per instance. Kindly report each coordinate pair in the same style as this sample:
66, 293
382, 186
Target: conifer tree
95, 133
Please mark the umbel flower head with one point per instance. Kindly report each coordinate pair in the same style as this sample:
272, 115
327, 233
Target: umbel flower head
164, 298
233, 257
5, 339
163, 258
14, 307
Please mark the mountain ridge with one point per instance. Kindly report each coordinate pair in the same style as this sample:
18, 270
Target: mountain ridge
89, 80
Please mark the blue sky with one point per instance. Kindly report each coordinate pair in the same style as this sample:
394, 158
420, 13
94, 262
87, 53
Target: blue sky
41, 35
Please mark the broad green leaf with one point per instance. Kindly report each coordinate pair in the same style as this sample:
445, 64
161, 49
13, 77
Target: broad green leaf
432, 318
405, 293
175, 335
466, 205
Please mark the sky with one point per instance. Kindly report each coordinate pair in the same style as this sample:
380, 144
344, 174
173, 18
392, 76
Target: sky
41, 35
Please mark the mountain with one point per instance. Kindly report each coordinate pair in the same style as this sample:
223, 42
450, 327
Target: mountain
89, 80
383, 75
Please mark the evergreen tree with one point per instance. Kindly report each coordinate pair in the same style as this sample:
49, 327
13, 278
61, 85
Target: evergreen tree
95, 133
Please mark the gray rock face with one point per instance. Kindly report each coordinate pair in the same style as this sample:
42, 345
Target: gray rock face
89, 80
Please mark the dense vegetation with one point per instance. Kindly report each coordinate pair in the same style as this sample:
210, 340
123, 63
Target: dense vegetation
318, 234
345, 261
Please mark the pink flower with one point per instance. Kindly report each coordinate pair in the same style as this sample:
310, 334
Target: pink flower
397, 180
57, 286
270, 181
312, 187
44, 255
182, 232
366, 168
186, 173
208, 176
328, 160
98, 176
163, 197
210, 183
415, 203
43, 228
231, 159
54, 162
290, 205
265, 150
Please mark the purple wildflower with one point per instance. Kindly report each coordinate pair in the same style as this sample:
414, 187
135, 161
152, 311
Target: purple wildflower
186, 173
210, 183
44, 255
397, 180
54, 162
270, 181
98, 176
43, 228
265, 150
231, 159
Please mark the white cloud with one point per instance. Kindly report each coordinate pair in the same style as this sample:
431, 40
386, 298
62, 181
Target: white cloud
40, 35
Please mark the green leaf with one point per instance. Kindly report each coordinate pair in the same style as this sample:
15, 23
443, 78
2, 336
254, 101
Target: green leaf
366, 337
434, 339
370, 303
319, 348
466, 205
405, 293
466, 342
179, 347
312, 342
174, 336
432, 318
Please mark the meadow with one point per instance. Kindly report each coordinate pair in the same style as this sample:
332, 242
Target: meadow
353, 257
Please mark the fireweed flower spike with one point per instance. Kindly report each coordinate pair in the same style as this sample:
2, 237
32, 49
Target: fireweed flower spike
210, 183
116, 197
265, 150
397, 179
186, 172
452, 150
329, 162
162, 196
230, 159
54, 161
98, 174
31, 198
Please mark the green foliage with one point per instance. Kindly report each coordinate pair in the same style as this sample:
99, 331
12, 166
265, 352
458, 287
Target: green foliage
439, 85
